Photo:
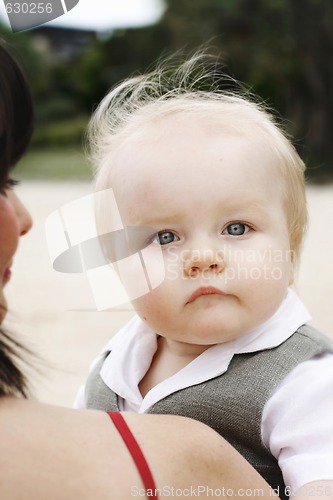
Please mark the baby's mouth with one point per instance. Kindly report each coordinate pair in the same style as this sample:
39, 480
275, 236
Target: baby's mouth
202, 291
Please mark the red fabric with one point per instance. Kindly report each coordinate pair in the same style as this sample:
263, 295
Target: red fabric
135, 451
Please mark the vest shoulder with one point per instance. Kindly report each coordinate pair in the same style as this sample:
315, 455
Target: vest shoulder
314, 337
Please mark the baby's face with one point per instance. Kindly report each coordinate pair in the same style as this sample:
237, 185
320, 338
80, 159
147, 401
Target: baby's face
214, 204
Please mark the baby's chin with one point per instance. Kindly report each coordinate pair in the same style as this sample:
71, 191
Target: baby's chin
218, 328
203, 335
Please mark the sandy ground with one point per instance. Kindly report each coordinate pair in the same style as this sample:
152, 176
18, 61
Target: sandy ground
55, 312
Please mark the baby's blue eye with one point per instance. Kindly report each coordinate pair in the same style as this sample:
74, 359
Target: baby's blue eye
237, 229
165, 237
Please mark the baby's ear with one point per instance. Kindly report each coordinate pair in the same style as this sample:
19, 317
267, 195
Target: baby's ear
292, 277
293, 265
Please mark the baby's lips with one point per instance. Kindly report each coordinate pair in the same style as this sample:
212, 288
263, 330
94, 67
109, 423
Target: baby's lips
202, 291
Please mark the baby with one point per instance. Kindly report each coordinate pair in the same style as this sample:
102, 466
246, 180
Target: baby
219, 190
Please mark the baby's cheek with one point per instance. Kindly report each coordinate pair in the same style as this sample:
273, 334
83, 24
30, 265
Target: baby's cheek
154, 307
268, 292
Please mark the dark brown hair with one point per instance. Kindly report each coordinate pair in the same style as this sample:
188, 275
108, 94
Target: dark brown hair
16, 112
16, 126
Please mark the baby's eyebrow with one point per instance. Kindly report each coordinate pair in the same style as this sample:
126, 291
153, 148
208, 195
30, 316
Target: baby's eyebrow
229, 208
245, 206
152, 220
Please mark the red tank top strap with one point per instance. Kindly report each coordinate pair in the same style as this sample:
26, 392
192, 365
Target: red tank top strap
137, 455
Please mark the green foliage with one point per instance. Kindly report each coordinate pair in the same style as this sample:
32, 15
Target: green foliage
54, 164
90, 70
60, 133
60, 107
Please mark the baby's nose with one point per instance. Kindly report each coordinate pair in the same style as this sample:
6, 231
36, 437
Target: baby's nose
203, 262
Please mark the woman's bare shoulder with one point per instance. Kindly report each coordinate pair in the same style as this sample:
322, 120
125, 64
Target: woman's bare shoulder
20, 415
54, 452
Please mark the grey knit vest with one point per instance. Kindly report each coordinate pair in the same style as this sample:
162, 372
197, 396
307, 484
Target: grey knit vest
232, 403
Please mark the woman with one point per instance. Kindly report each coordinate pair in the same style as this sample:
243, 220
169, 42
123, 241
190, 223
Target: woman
60, 453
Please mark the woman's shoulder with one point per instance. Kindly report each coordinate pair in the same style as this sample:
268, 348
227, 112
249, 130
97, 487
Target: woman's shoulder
56, 452
20, 414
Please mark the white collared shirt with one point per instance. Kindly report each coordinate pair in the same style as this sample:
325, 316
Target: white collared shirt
297, 423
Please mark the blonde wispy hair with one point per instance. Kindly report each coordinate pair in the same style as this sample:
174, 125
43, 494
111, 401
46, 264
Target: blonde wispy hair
196, 87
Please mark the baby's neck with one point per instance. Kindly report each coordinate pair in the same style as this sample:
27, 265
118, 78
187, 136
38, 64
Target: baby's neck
170, 358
